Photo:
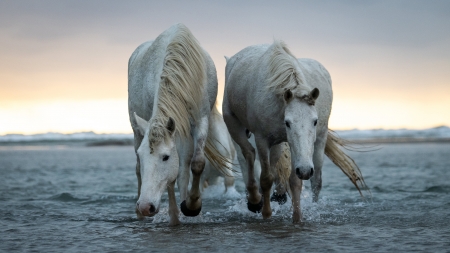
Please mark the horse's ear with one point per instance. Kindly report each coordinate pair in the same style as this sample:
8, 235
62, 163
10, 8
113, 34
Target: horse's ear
170, 126
141, 123
226, 58
288, 96
314, 94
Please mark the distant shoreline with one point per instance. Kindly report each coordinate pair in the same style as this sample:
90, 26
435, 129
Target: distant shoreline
130, 142
439, 134
78, 143
399, 140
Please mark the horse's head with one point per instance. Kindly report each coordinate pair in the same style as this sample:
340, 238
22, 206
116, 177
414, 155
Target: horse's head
300, 119
158, 158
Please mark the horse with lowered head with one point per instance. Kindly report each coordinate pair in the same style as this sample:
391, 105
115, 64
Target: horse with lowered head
172, 87
275, 96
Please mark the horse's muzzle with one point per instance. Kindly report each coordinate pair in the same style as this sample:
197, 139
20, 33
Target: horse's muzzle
304, 174
147, 209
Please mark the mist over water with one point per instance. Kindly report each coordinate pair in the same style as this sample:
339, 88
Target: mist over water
75, 198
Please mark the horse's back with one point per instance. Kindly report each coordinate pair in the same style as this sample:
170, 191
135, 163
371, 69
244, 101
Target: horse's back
244, 58
137, 80
243, 79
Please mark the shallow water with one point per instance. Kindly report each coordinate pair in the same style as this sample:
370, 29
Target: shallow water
74, 198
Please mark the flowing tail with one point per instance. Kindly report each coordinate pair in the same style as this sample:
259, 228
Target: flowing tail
220, 162
343, 161
283, 166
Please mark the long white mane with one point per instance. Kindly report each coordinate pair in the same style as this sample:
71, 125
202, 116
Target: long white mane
181, 89
283, 71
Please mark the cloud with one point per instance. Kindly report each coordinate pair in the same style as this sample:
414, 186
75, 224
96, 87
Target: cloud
387, 22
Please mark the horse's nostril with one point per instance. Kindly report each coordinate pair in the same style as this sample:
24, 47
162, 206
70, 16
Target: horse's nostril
297, 170
312, 172
152, 208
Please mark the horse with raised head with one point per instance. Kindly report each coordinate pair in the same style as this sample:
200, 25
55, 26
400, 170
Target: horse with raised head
275, 96
172, 87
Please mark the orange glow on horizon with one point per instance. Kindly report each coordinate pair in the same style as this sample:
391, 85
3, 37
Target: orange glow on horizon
100, 116
78, 82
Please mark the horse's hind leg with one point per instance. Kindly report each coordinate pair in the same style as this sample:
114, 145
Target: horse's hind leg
229, 182
316, 179
282, 170
238, 134
279, 194
193, 203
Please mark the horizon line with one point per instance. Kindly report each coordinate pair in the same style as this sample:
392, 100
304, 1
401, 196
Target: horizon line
126, 133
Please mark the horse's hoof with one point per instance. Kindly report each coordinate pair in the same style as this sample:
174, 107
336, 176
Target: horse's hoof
188, 212
281, 199
256, 208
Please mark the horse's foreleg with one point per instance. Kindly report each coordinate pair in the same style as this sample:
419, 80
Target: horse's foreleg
316, 182
183, 177
193, 204
316, 179
138, 175
137, 143
296, 189
173, 208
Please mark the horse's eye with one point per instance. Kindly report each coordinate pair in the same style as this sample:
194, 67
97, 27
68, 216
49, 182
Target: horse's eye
165, 158
315, 122
287, 124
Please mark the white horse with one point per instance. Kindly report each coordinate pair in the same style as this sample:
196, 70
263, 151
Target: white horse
276, 97
172, 83
223, 143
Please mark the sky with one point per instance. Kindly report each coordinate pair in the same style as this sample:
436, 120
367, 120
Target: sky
63, 64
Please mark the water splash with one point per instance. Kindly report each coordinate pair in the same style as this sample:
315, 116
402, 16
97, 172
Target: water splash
219, 192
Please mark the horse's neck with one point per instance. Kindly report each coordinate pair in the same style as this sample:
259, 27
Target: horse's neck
268, 116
